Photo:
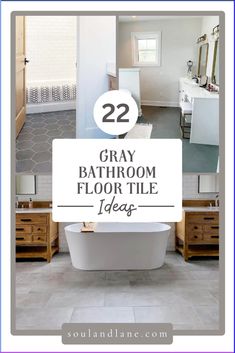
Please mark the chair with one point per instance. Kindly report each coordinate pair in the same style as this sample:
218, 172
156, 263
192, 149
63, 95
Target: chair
185, 118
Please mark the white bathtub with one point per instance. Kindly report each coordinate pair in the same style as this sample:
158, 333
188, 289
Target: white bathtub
118, 246
50, 95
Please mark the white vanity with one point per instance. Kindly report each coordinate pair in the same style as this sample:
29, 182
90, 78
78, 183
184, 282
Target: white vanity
205, 112
129, 78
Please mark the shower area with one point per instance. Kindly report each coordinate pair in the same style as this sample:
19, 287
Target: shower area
50, 89
51, 71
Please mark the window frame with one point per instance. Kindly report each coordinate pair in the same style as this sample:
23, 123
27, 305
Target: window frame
135, 36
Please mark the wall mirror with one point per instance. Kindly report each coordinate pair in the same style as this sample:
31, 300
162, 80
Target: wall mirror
208, 183
215, 69
202, 59
25, 184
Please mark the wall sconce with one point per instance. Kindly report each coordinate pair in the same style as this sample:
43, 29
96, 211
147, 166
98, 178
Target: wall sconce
215, 32
202, 38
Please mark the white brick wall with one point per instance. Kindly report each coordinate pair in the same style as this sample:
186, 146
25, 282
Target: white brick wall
51, 48
43, 189
190, 188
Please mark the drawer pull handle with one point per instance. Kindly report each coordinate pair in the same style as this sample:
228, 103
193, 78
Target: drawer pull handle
195, 236
20, 238
214, 227
19, 228
208, 218
195, 227
214, 236
39, 228
26, 220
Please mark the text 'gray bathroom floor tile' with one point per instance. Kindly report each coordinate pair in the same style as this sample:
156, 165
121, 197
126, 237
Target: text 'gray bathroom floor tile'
34, 142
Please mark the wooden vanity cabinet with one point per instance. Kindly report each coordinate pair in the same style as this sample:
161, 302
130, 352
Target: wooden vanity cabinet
36, 236
198, 234
113, 83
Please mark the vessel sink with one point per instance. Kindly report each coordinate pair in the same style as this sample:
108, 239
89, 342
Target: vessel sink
214, 208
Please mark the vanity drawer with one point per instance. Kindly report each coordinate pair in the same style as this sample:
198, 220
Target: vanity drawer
39, 229
195, 236
203, 218
195, 228
212, 229
39, 239
23, 229
23, 239
27, 219
211, 238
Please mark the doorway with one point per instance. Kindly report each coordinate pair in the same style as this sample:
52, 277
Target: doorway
50, 46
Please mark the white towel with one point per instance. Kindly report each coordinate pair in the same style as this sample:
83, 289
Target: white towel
140, 131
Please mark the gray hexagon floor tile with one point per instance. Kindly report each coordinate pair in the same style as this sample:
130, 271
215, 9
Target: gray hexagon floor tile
44, 167
44, 156
55, 133
52, 126
40, 147
33, 145
40, 131
24, 154
40, 138
24, 166
24, 145
39, 125
25, 136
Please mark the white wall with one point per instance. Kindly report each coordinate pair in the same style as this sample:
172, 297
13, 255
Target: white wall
51, 48
208, 23
96, 48
159, 85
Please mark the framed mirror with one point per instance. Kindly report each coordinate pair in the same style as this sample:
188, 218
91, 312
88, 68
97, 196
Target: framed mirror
25, 184
215, 68
202, 59
208, 183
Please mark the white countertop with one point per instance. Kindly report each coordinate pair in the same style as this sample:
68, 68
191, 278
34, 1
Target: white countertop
201, 209
195, 91
33, 210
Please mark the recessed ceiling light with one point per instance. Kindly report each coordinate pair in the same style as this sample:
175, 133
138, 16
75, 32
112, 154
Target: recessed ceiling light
133, 16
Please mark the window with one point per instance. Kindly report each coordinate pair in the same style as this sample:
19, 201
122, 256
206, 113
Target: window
146, 48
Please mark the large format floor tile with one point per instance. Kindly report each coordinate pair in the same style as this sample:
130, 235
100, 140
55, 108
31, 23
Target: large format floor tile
185, 294
175, 314
42, 319
104, 314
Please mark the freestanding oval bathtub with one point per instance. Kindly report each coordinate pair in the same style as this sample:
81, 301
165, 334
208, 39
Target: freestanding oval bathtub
118, 246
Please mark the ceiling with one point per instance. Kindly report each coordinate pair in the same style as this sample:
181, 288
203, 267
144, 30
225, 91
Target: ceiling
151, 18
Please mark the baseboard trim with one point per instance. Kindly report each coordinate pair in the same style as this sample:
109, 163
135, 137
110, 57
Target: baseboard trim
50, 107
160, 103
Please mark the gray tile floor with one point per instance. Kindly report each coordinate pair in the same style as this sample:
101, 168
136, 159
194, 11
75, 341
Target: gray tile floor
197, 158
185, 294
34, 142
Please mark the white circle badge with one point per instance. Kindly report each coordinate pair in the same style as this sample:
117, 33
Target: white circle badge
115, 112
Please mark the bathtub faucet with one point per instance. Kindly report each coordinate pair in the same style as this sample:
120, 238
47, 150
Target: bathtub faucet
87, 224
217, 200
